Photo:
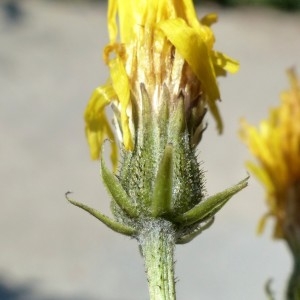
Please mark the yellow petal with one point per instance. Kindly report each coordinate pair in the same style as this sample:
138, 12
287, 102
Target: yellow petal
185, 9
121, 86
225, 62
262, 223
190, 43
100, 98
209, 19
97, 127
111, 20
261, 175
293, 79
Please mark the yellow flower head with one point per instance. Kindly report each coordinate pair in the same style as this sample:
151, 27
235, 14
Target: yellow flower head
276, 146
156, 44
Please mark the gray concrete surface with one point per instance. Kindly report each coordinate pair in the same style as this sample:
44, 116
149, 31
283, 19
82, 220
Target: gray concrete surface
50, 62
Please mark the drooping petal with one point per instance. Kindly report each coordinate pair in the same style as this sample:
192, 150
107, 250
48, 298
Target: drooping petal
191, 45
97, 127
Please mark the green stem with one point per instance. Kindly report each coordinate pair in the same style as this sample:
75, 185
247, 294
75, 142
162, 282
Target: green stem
291, 231
157, 243
293, 289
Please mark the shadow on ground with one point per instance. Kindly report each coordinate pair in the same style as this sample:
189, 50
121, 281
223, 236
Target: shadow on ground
8, 292
28, 292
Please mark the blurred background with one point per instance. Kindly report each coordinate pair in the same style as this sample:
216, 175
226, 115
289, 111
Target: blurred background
50, 62
280, 4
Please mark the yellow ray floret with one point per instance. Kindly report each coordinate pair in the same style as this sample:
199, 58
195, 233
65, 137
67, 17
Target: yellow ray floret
97, 127
276, 146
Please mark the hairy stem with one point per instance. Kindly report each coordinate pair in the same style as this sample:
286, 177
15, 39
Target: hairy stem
157, 243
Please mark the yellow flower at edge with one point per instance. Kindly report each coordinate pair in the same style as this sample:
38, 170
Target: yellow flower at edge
155, 43
276, 146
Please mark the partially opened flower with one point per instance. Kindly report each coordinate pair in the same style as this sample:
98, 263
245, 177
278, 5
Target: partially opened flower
276, 146
163, 72
157, 48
